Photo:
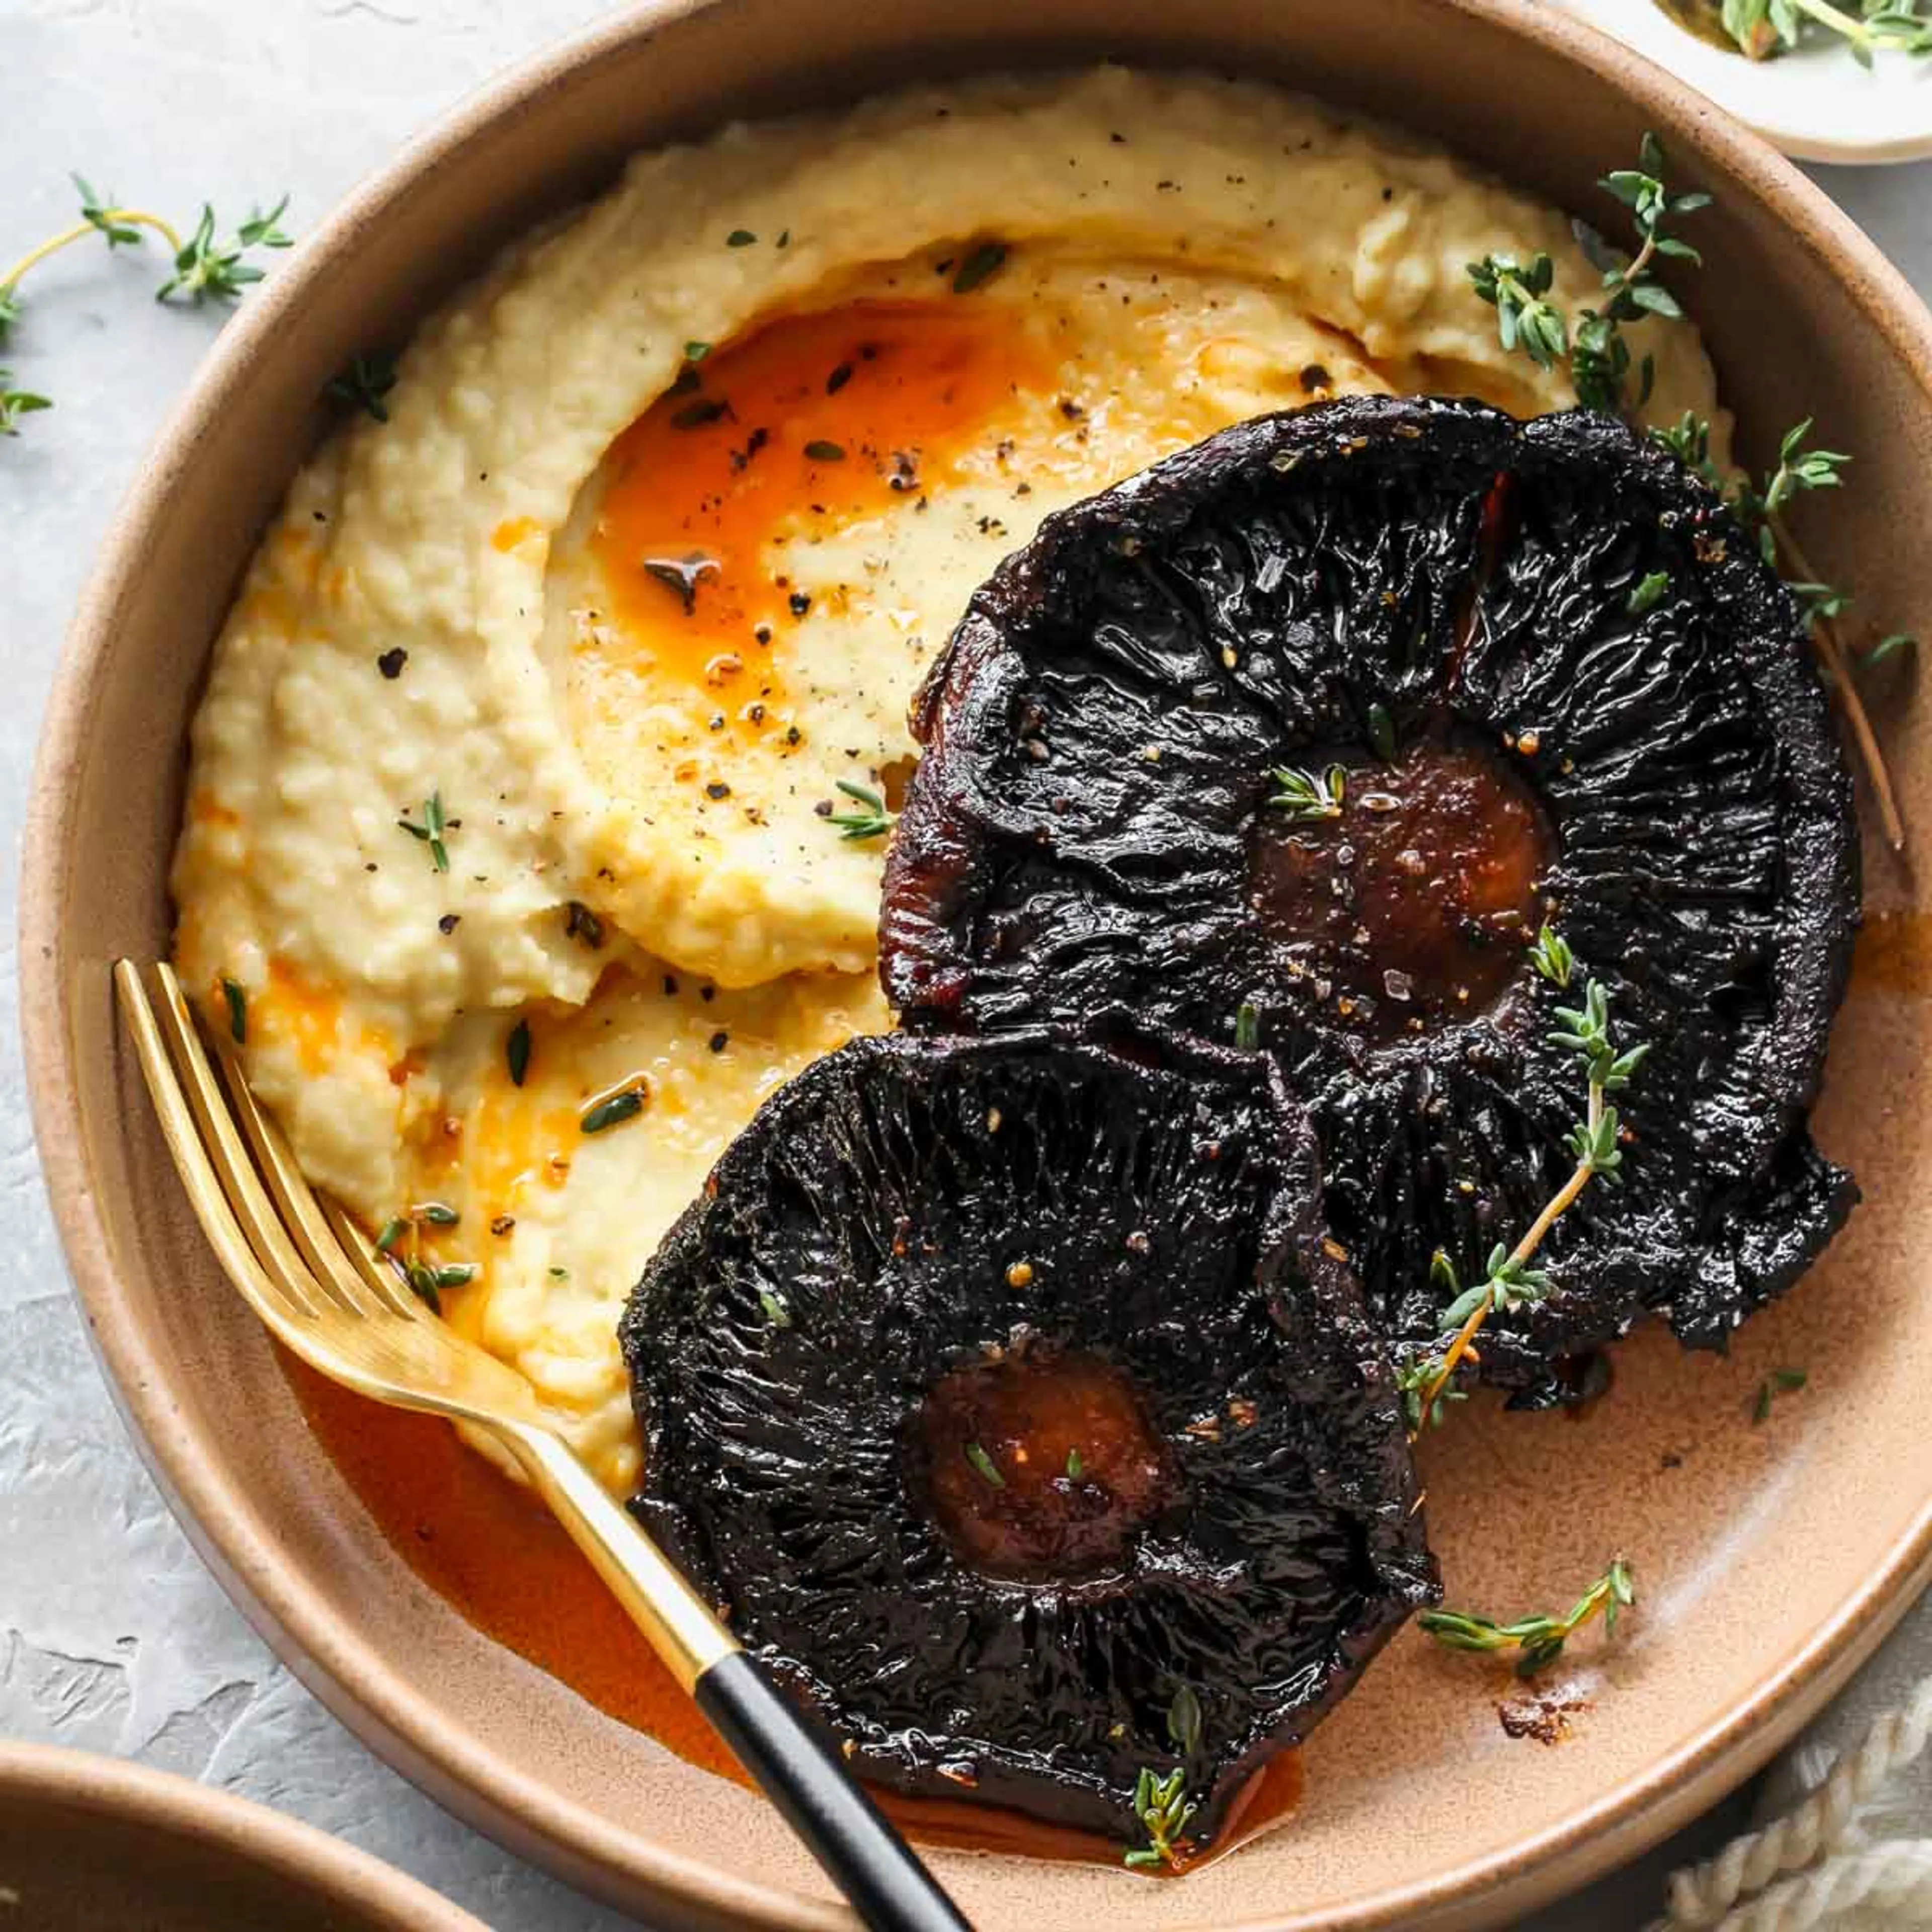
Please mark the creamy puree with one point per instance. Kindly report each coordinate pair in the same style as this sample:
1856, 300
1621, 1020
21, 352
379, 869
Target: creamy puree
673, 510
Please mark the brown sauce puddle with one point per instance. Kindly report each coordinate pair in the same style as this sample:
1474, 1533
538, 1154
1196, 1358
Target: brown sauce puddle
1894, 955
492, 1551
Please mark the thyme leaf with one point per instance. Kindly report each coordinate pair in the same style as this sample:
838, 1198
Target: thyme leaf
1780, 1381
1183, 1720
980, 263
613, 1110
15, 403
1650, 593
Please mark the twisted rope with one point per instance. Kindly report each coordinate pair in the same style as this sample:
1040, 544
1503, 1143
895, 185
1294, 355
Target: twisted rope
1897, 1874
1894, 1878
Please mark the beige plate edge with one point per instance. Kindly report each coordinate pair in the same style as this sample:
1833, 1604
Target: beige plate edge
384, 1712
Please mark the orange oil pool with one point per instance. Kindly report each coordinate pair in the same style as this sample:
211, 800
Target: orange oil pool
815, 422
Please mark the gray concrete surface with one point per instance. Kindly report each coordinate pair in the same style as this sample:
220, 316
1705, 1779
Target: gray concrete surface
112, 1636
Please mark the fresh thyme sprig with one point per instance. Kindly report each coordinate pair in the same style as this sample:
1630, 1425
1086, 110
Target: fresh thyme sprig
1760, 508
1162, 1807
1837, 660
1508, 1281
1537, 1641
1633, 289
1309, 795
1798, 469
202, 267
1764, 28
1757, 505
1600, 359
99, 215
1600, 362
206, 268
873, 820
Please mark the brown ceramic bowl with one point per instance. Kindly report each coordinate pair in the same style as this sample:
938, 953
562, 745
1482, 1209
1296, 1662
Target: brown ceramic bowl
1770, 1559
94, 1844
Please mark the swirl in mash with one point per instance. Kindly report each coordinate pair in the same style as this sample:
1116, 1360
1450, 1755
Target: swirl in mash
673, 510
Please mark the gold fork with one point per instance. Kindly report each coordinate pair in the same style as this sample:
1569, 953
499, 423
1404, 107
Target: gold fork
318, 1283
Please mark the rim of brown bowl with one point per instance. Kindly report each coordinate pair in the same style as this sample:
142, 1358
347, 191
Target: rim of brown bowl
340, 1662
198, 1835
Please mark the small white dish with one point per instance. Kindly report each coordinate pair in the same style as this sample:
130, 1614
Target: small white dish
1817, 104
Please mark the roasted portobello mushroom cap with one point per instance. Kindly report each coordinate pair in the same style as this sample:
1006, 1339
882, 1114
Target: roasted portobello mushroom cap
1326, 715
1007, 1395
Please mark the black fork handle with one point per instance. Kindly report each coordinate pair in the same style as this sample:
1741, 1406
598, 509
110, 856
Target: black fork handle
889, 1887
